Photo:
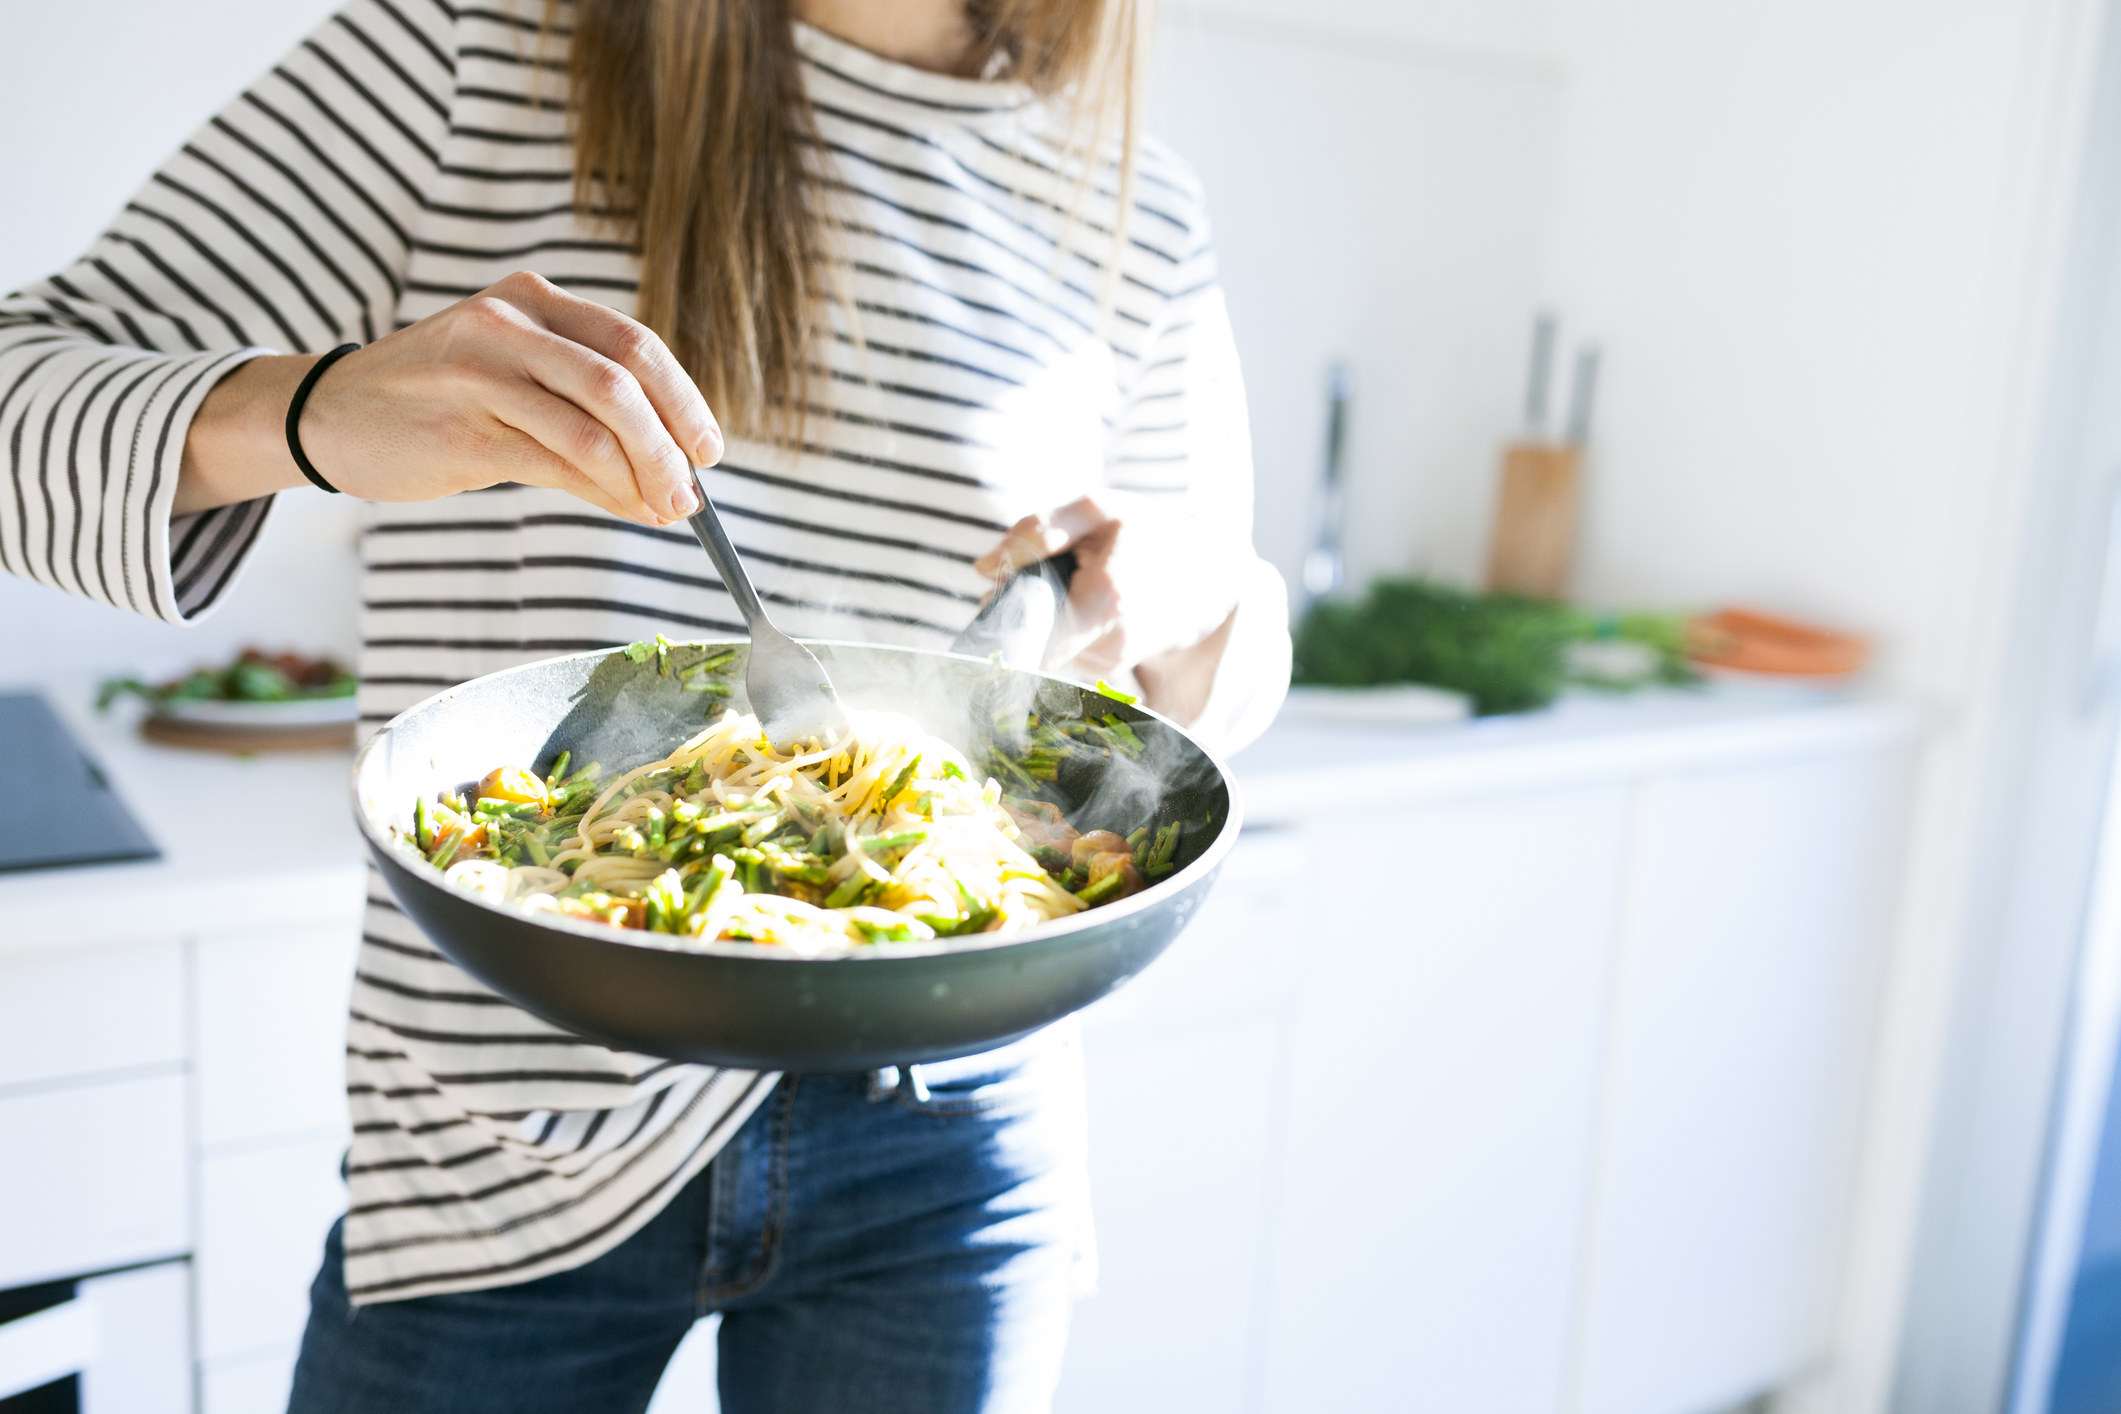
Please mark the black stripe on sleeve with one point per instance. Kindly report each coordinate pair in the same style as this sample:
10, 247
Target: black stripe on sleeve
323, 160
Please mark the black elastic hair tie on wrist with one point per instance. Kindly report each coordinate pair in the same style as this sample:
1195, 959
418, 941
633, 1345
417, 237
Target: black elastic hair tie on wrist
294, 416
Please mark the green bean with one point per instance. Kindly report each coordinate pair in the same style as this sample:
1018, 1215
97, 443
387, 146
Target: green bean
899, 782
447, 849
853, 889
1103, 888
709, 883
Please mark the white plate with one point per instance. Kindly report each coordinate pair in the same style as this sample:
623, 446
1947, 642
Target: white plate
296, 712
1400, 704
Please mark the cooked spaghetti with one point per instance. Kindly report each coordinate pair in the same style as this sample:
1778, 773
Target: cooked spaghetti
885, 836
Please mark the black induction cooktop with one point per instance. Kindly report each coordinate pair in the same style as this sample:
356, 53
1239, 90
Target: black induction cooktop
63, 807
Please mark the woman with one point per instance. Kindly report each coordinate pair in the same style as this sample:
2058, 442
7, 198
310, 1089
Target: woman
906, 254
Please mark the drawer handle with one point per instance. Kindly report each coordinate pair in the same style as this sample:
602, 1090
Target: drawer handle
47, 1345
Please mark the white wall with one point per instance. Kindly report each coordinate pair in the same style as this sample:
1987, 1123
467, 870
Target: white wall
1379, 177
75, 142
1780, 218
1821, 242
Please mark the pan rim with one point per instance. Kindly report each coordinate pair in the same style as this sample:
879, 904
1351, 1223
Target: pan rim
1208, 861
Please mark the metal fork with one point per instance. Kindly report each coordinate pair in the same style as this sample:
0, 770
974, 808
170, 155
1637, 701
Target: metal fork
788, 687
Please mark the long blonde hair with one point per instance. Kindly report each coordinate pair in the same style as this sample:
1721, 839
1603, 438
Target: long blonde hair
691, 124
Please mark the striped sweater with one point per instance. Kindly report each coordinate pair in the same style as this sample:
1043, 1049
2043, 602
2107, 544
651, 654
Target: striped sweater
411, 153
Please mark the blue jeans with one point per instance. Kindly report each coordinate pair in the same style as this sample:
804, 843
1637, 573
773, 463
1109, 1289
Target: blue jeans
887, 1248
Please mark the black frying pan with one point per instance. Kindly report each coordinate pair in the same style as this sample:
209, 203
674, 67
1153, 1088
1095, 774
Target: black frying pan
750, 1005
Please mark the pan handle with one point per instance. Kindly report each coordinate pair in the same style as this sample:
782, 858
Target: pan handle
1020, 618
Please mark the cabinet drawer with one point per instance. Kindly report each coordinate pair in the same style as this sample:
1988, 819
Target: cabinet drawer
95, 1177
78, 1011
272, 1031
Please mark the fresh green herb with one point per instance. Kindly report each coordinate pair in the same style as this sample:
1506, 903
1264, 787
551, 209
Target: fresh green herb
1502, 650
1507, 652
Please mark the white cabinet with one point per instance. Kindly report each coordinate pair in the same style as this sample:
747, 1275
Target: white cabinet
271, 1068
95, 1178
263, 1214
1442, 1101
1523, 1085
272, 1030
1747, 980
143, 1361
175, 1096
1181, 1134
1185, 1108
69, 1012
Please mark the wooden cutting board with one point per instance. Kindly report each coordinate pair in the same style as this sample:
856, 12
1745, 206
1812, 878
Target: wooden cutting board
248, 740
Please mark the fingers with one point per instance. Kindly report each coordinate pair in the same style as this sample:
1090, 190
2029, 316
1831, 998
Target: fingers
1030, 540
660, 475
1040, 537
531, 463
575, 439
616, 369
634, 347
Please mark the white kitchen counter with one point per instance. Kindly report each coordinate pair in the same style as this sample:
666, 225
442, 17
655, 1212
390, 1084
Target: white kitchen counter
1306, 762
245, 840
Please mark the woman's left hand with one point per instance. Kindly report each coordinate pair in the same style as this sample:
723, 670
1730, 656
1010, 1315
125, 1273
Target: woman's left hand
1137, 593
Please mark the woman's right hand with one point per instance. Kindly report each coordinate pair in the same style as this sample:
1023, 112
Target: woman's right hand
521, 382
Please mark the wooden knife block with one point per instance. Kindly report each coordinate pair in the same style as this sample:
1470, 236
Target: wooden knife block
1534, 540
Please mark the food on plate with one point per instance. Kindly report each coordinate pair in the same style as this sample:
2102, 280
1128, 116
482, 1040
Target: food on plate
888, 835
254, 676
